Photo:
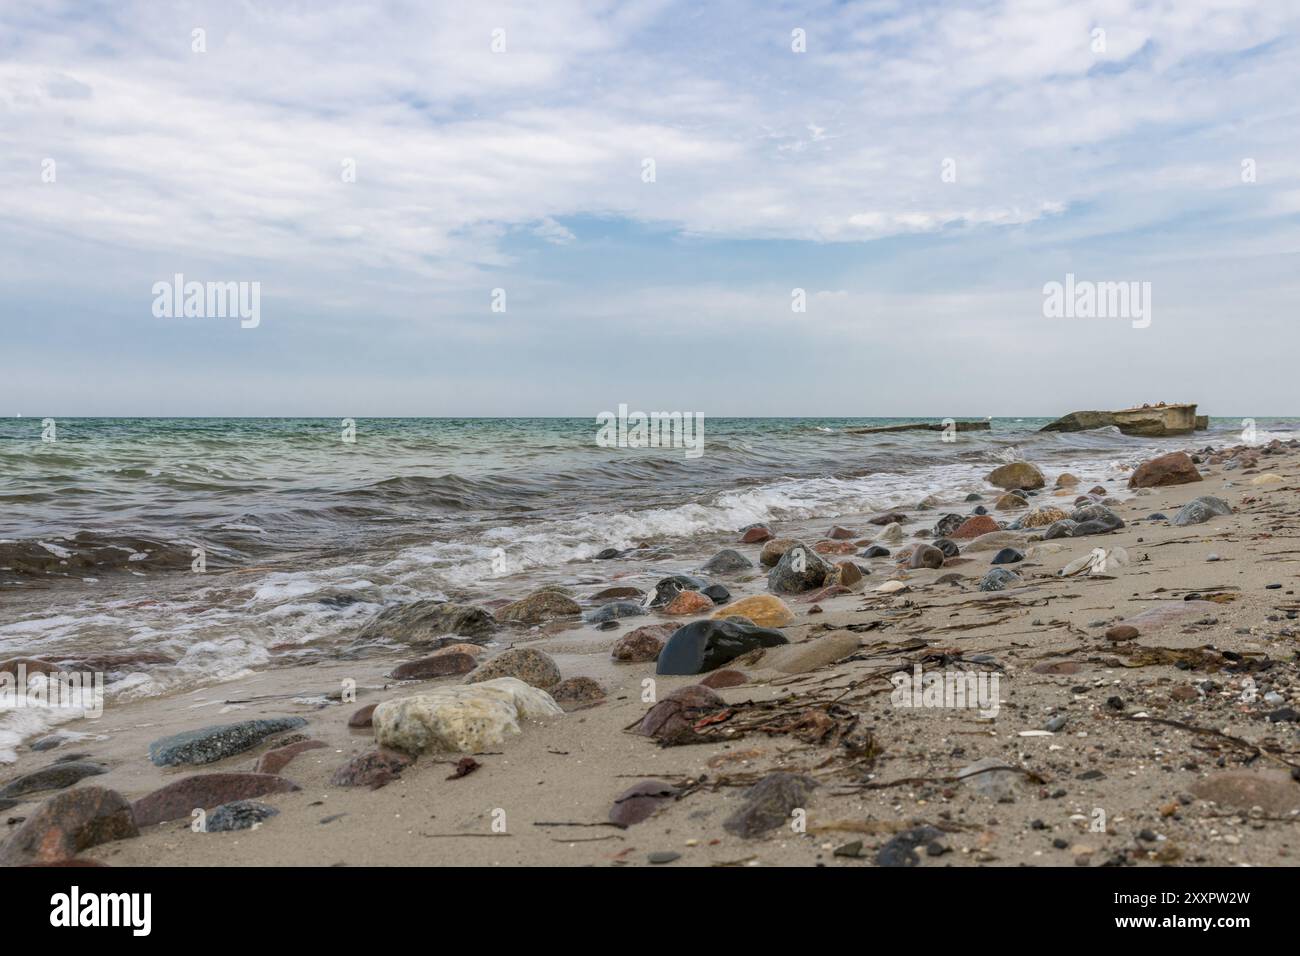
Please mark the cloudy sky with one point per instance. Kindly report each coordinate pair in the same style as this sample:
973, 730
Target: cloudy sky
920, 169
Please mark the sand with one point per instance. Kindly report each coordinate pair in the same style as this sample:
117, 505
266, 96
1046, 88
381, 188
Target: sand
1100, 788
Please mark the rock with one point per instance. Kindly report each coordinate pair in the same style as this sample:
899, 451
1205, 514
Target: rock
617, 593
799, 569
773, 550
361, 718
1060, 529
999, 785
974, 527
68, 823
727, 561
1066, 480
1009, 502
717, 594
1008, 556
1200, 510
901, 849
577, 690
1122, 632
531, 666
998, 579
240, 815
1041, 517
206, 790
438, 665
981, 510
724, 678
838, 533
1273, 791
810, 655
891, 532
663, 856
875, 551
55, 777
948, 547
614, 610
835, 547
926, 556
843, 574
765, 610
688, 602
770, 803
643, 644
755, 535
668, 588
994, 541
273, 761
703, 646
640, 801
674, 717
1268, 478
28, 666
539, 607
1149, 420
1176, 468
946, 525
1016, 475
891, 517
424, 620
466, 719
375, 769
209, 744
1098, 514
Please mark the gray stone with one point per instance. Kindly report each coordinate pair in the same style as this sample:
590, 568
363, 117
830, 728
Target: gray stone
209, 744
1200, 510
240, 815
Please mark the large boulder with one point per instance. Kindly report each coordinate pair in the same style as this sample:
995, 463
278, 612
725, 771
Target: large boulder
800, 569
703, 646
466, 718
1018, 475
1176, 468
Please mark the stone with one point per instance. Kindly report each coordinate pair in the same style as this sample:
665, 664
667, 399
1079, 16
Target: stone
901, 849
420, 621
1041, 517
643, 644
1175, 468
727, 561
68, 823
1273, 791
209, 744
438, 665
891, 533
688, 602
617, 593
994, 541
835, 547
1122, 632
1016, 475
948, 547
926, 556
1008, 556
1060, 529
374, 769
890, 517
668, 588
974, 527
539, 607
1200, 510
810, 655
467, 718
1066, 480
998, 579
674, 717
1010, 502
765, 610
239, 815
997, 785
875, 551
180, 798
57, 776
27, 665
770, 803
773, 551
361, 718
945, 526
706, 645
577, 690
273, 761
799, 569
724, 678
1268, 478
717, 594
1095, 514
844, 574
527, 664
838, 533
613, 611
755, 535
640, 801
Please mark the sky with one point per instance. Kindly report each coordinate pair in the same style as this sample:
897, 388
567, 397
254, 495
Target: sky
458, 209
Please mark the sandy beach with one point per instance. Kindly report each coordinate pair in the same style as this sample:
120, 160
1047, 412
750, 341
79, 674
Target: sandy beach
1176, 745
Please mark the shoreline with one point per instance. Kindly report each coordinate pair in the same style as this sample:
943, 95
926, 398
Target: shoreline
570, 769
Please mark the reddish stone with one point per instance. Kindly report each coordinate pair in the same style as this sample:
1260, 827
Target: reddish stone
639, 801
893, 517
975, 526
676, 714
437, 665
823, 593
576, 690
1122, 632
643, 644
755, 535
835, 547
68, 823
375, 769
1176, 468
688, 602
362, 718
838, 533
34, 666
725, 678
205, 790
273, 761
